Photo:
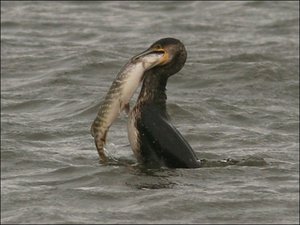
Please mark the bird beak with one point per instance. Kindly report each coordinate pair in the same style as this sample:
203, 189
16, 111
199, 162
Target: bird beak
150, 51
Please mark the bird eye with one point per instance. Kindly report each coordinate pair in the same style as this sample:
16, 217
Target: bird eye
158, 46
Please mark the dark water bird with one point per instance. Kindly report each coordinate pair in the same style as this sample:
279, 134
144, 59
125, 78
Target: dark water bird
154, 140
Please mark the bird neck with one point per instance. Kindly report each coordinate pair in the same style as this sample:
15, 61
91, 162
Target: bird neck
154, 90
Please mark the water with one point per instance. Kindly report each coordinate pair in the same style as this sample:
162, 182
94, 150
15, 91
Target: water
237, 97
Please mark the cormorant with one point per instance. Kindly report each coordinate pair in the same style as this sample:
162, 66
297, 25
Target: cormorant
154, 140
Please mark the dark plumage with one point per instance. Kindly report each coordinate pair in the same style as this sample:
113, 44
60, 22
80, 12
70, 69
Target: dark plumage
154, 140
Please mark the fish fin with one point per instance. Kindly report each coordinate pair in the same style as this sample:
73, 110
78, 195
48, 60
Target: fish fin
92, 130
127, 108
121, 106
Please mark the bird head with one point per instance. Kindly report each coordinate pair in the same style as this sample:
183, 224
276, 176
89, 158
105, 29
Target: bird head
166, 56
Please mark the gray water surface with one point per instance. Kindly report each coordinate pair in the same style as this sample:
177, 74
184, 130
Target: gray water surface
237, 97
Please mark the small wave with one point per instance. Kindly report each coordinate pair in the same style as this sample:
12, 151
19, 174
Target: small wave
180, 112
29, 105
210, 162
9, 24
249, 161
69, 176
85, 111
279, 27
252, 57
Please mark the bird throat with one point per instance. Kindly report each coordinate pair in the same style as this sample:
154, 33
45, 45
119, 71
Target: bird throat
154, 89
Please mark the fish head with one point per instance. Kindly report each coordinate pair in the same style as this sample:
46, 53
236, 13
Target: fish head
150, 58
167, 54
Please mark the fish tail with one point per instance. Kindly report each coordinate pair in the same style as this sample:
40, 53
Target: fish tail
100, 143
99, 133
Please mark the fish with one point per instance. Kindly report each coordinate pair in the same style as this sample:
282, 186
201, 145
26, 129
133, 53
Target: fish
118, 96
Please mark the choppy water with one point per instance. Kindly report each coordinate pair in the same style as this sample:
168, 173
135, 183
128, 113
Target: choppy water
237, 97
